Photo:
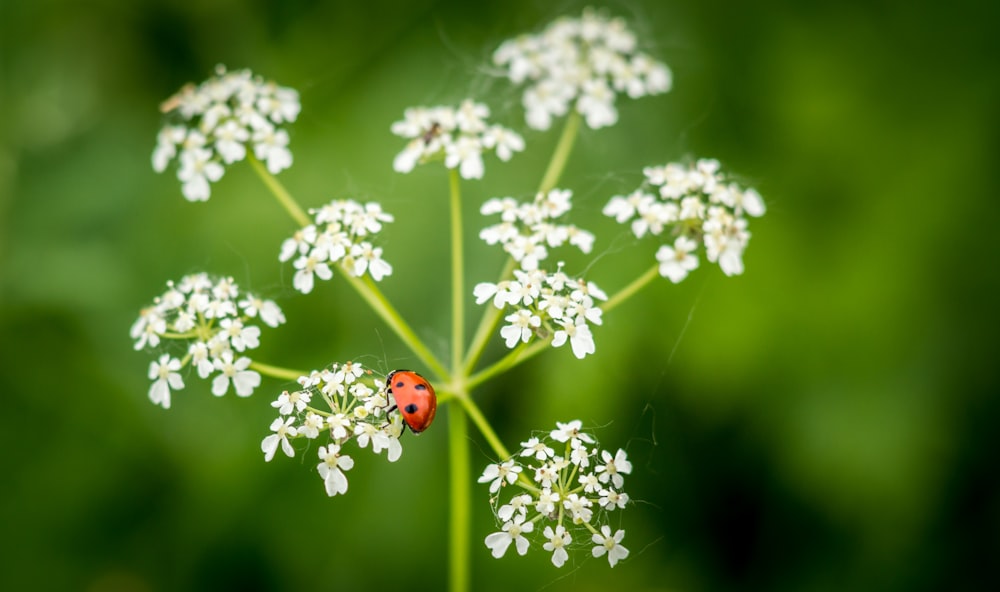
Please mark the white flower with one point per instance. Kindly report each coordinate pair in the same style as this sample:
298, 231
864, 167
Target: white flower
240, 337
519, 504
535, 447
520, 328
547, 501
406, 160
368, 258
565, 432
703, 207
167, 141
271, 146
579, 336
465, 154
526, 229
511, 532
148, 328
579, 508
459, 135
197, 169
614, 467
590, 482
221, 119
331, 470
558, 539
230, 139
267, 310
496, 474
337, 237
164, 375
562, 492
610, 545
200, 358
611, 499
283, 429
311, 425
308, 266
294, 401
677, 261
203, 312
340, 426
596, 104
244, 381
506, 142
581, 61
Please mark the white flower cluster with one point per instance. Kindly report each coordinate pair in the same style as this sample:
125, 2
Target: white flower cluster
527, 230
700, 205
219, 120
566, 483
459, 135
338, 236
355, 409
583, 62
213, 317
546, 304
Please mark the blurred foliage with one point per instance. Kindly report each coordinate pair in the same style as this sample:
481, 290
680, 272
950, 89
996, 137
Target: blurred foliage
824, 422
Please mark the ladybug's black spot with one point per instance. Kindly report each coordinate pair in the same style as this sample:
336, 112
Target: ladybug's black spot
420, 387
400, 384
411, 408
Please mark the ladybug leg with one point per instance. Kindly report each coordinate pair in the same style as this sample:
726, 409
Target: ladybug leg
390, 410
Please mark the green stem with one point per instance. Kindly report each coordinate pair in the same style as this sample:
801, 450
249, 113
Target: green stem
279, 191
631, 289
461, 497
484, 427
381, 305
458, 425
457, 274
561, 154
515, 357
277, 371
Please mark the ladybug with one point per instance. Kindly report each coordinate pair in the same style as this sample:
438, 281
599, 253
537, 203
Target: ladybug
414, 397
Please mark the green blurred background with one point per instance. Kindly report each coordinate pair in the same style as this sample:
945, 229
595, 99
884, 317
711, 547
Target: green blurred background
824, 422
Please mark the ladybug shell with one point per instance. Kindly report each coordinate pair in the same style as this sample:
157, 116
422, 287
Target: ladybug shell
414, 397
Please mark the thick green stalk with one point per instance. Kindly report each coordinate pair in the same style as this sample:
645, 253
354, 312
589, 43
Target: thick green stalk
458, 425
279, 191
457, 274
461, 497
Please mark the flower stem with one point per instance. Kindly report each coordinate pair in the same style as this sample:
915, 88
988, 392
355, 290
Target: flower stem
515, 357
458, 425
561, 154
279, 191
457, 273
381, 305
277, 371
484, 427
631, 289
461, 497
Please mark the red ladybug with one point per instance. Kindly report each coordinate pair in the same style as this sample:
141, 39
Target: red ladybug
414, 397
